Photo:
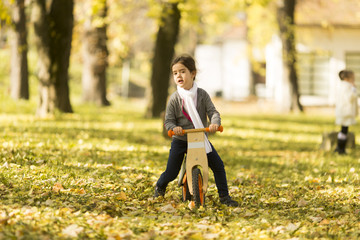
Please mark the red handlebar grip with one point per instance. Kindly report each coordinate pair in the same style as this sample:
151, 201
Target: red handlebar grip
171, 133
220, 129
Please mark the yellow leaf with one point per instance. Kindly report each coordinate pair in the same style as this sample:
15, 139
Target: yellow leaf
325, 222
121, 196
57, 187
81, 191
196, 236
315, 180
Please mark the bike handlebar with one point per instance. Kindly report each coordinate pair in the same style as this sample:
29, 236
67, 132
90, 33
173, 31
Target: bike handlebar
171, 132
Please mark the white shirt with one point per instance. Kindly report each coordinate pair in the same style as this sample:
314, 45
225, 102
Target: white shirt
346, 104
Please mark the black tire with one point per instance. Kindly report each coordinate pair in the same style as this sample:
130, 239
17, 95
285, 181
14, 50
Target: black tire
185, 194
198, 194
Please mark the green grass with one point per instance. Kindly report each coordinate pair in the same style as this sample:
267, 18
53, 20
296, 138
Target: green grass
90, 175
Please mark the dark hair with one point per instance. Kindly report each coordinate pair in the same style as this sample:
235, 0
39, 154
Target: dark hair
186, 60
345, 74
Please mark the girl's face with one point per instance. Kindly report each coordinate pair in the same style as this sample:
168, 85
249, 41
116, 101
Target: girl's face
350, 79
182, 76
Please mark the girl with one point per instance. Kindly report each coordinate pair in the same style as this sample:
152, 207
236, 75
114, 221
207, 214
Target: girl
188, 108
346, 107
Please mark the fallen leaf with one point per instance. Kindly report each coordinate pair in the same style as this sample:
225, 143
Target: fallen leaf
196, 236
57, 187
316, 219
293, 227
140, 176
49, 202
248, 213
302, 203
211, 235
121, 196
4, 220
81, 191
5, 165
278, 229
316, 180
168, 209
191, 205
329, 180
203, 226
325, 222
237, 210
72, 230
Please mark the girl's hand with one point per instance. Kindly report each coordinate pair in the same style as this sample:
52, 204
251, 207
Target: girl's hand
213, 128
178, 131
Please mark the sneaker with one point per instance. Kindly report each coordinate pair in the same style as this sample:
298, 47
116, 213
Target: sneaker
228, 201
159, 192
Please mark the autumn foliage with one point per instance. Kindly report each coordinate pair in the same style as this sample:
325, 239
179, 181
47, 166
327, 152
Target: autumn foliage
91, 175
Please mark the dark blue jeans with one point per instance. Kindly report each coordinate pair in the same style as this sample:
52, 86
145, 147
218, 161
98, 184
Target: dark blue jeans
176, 156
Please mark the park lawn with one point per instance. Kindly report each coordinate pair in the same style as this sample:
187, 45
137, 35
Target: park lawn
91, 175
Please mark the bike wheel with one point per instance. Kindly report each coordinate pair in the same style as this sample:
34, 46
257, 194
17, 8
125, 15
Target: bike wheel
198, 194
185, 190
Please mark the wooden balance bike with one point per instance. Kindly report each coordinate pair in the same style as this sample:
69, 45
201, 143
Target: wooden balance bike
194, 173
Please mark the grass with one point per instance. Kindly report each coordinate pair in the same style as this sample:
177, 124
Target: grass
90, 175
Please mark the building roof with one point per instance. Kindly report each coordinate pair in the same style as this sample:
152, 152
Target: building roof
345, 13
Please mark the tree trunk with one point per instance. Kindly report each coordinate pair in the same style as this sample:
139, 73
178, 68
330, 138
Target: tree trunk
95, 57
19, 76
53, 33
285, 17
47, 93
62, 19
164, 52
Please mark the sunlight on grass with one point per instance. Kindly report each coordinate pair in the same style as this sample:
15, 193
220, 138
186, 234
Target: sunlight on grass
91, 175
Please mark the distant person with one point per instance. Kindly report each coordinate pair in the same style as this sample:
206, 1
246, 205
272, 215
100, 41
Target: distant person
346, 107
189, 108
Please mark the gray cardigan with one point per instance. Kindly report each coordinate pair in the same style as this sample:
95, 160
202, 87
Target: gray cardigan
175, 117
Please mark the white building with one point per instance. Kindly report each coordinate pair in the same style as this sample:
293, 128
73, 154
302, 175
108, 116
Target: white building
328, 40
224, 68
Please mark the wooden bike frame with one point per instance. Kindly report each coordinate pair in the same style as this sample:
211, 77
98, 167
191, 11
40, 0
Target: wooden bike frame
196, 155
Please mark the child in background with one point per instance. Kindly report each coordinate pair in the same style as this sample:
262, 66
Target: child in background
189, 108
346, 107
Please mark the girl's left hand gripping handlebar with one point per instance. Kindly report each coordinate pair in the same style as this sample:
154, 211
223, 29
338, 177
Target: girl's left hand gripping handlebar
171, 132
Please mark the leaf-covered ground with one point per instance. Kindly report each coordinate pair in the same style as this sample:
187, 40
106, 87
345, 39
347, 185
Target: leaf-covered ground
91, 175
